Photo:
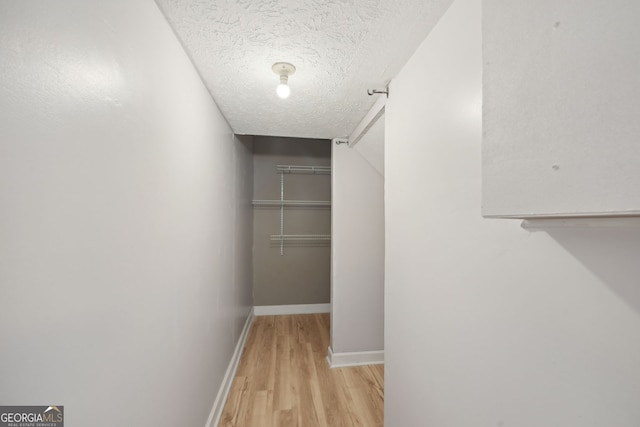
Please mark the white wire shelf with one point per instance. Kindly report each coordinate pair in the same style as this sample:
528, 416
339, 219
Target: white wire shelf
315, 170
308, 203
300, 237
282, 203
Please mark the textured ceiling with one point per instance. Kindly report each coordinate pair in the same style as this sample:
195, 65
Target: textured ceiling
340, 48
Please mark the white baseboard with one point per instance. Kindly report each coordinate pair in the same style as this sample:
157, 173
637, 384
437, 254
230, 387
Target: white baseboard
359, 358
272, 310
223, 392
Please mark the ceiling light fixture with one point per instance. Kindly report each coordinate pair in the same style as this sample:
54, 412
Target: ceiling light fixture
284, 70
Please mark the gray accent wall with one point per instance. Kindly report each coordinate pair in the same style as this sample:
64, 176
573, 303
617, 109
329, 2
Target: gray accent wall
302, 274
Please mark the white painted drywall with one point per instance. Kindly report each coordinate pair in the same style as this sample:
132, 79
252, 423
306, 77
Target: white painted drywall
357, 258
561, 107
125, 271
488, 324
371, 146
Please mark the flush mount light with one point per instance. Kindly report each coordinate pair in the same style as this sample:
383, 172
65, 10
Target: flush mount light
284, 70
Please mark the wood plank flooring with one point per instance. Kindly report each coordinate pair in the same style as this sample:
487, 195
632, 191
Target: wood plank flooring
284, 380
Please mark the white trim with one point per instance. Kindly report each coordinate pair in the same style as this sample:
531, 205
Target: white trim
359, 358
225, 387
369, 120
272, 310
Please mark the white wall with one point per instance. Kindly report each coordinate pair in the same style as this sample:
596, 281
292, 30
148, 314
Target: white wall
371, 146
357, 257
486, 323
125, 239
561, 107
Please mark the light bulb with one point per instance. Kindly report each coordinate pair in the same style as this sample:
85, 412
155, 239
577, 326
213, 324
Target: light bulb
284, 70
283, 90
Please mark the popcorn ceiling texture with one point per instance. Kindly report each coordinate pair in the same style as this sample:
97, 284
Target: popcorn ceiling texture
340, 49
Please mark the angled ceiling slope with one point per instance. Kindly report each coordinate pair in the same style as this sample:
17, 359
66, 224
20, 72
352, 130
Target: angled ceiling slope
340, 48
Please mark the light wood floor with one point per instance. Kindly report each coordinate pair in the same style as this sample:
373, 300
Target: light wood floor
284, 380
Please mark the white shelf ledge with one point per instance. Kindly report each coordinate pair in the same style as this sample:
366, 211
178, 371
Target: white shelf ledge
300, 237
566, 215
315, 170
535, 224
